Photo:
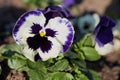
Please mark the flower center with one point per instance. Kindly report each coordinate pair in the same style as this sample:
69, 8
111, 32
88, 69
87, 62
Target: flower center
42, 33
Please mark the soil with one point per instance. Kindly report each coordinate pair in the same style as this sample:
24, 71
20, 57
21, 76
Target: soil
15, 75
108, 66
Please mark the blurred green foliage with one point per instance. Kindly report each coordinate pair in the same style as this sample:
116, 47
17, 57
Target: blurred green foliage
42, 3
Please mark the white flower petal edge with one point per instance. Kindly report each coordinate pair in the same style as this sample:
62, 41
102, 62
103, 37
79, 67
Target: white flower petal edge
29, 53
106, 49
65, 31
54, 52
23, 26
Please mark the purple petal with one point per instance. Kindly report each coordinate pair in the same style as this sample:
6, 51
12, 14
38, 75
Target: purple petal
64, 13
107, 22
55, 11
103, 31
51, 14
104, 36
68, 3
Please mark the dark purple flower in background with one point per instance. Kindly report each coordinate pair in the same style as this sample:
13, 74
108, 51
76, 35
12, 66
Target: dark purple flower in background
55, 11
69, 3
103, 31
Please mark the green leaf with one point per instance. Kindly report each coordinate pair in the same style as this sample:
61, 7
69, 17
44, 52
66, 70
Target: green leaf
61, 76
39, 65
90, 53
12, 51
61, 65
88, 42
41, 3
81, 55
12, 47
80, 64
61, 56
36, 70
16, 63
15, 60
76, 51
36, 74
81, 77
71, 55
95, 75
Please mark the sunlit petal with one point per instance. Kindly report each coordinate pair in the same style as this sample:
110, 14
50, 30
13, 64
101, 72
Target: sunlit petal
26, 25
64, 31
29, 53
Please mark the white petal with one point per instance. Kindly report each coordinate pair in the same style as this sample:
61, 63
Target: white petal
29, 53
53, 53
97, 19
65, 31
106, 49
23, 26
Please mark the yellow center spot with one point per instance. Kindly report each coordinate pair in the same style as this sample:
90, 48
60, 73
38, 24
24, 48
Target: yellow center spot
42, 34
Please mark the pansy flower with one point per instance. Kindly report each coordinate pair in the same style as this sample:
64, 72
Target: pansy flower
104, 35
41, 40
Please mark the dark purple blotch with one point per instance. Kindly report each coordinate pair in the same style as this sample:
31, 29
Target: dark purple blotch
37, 57
37, 42
36, 28
50, 32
